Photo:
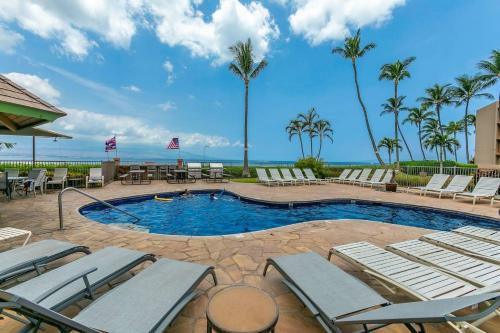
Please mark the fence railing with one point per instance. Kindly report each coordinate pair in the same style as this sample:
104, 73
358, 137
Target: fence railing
75, 168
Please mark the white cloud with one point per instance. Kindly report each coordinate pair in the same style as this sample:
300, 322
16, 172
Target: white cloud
9, 40
68, 21
167, 106
92, 126
169, 68
181, 23
35, 84
327, 20
132, 88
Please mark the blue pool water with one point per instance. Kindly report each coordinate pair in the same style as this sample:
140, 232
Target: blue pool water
199, 215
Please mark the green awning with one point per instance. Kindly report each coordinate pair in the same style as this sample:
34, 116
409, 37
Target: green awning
33, 131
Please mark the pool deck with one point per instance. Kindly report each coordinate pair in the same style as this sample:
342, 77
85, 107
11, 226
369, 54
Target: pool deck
241, 258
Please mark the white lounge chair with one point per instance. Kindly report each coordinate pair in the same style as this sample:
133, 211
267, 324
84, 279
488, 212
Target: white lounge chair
288, 176
300, 176
95, 177
275, 175
469, 246
376, 177
487, 235
264, 179
59, 178
457, 185
385, 180
363, 177
486, 188
436, 183
343, 176
312, 178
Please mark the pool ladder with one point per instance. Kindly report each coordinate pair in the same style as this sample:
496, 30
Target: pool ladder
67, 189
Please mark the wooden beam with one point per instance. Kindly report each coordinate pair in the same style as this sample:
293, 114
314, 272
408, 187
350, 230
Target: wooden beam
7, 122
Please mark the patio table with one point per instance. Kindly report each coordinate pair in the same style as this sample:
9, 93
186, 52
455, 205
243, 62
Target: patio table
136, 177
180, 175
12, 183
9, 233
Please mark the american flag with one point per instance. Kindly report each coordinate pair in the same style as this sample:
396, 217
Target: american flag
110, 144
174, 144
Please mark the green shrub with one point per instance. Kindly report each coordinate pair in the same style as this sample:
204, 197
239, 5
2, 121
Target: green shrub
433, 163
315, 165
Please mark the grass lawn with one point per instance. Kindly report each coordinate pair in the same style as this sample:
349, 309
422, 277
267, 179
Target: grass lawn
244, 180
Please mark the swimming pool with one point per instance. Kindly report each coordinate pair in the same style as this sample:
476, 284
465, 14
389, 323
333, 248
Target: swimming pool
199, 215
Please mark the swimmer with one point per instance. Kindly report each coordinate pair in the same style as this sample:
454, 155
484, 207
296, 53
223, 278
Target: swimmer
212, 196
185, 193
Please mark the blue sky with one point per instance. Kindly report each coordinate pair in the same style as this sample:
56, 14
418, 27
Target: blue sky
148, 71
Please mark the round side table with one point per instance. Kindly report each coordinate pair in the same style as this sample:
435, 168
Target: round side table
241, 309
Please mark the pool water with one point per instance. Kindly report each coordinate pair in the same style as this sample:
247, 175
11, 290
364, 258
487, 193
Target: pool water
200, 215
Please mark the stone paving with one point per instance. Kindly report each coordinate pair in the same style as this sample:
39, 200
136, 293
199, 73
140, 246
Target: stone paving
237, 259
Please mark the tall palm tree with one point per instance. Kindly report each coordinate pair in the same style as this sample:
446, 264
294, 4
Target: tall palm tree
491, 70
296, 128
430, 128
324, 131
396, 72
308, 120
466, 89
391, 145
442, 142
471, 119
6, 145
437, 96
352, 50
417, 116
245, 67
395, 106
453, 128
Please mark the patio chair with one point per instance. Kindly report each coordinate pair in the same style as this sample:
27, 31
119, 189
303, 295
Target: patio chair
264, 179
95, 177
312, 178
486, 188
352, 177
343, 176
436, 183
194, 170
12, 172
163, 172
4, 184
376, 177
34, 256
288, 176
151, 172
275, 175
337, 299
363, 177
487, 235
385, 180
36, 179
469, 246
59, 178
160, 291
300, 176
470, 269
458, 184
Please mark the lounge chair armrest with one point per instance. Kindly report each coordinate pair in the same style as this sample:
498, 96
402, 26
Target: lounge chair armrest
81, 275
26, 265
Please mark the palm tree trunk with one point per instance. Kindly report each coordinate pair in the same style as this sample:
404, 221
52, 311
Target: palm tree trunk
301, 145
466, 127
455, 147
404, 141
396, 137
246, 171
420, 140
320, 146
311, 143
438, 113
437, 154
390, 156
365, 114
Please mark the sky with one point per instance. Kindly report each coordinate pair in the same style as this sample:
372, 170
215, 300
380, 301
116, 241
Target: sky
147, 71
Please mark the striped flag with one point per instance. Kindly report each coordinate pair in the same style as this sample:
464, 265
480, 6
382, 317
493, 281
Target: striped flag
174, 144
110, 144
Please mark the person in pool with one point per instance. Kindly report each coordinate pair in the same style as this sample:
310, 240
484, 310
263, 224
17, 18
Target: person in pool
212, 196
185, 193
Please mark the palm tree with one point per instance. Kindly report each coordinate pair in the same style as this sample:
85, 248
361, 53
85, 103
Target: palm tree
324, 131
471, 119
453, 128
491, 70
245, 67
352, 50
395, 106
6, 145
296, 127
389, 144
308, 120
442, 142
430, 128
466, 89
417, 116
396, 72
437, 96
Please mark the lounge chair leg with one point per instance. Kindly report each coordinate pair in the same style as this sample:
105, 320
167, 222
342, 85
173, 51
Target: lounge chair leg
266, 267
330, 253
421, 328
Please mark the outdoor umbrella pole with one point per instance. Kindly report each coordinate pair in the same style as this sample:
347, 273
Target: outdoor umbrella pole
33, 151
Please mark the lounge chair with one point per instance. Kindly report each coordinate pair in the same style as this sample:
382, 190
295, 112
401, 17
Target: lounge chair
275, 175
475, 271
352, 177
363, 177
487, 235
486, 188
36, 179
469, 246
458, 184
343, 176
376, 177
34, 256
288, 176
264, 179
61, 287
59, 178
337, 299
95, 177
194, 170
300, 176
312, 178
160, 291
436, 183
385, 180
